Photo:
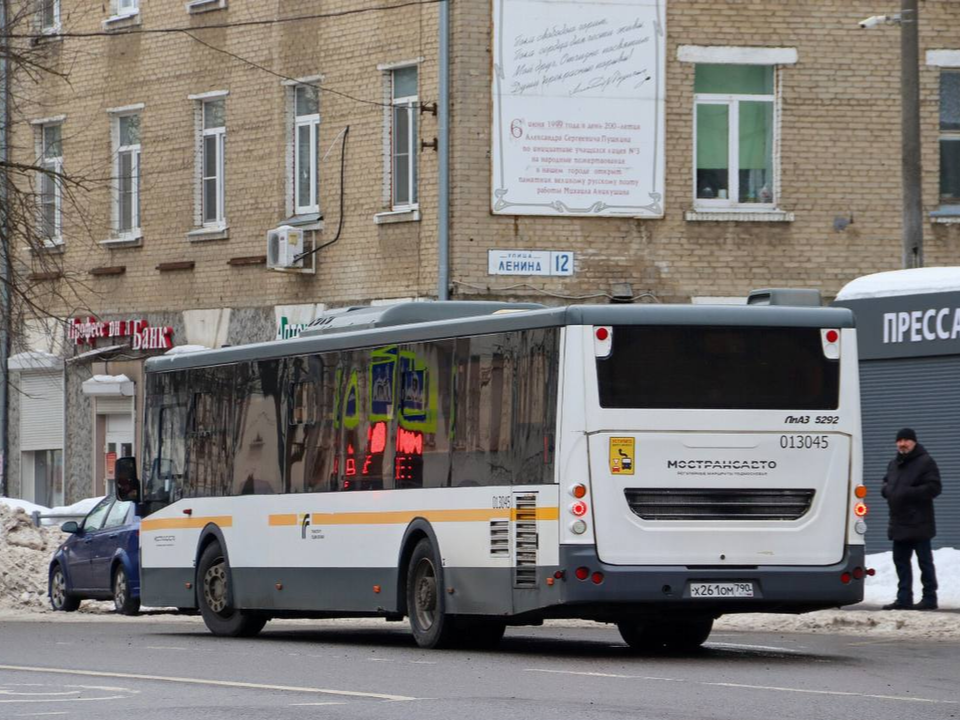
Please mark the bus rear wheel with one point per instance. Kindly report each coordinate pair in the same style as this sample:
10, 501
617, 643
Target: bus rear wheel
432, 627
216, 598
662, 635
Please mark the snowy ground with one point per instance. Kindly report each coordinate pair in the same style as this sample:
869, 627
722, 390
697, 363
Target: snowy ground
25, 552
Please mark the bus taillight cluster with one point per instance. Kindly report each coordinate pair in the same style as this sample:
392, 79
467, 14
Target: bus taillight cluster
578, 508
860, 509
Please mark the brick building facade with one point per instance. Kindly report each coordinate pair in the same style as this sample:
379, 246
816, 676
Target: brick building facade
195, 144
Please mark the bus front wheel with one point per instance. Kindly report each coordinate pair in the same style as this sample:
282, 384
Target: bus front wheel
216, 598
431, 626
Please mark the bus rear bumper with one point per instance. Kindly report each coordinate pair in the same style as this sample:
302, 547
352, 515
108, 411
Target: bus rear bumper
635, 589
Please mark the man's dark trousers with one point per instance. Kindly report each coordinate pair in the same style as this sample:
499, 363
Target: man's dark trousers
902, 550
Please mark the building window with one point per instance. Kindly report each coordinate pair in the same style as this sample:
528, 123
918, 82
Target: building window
127, 7
213, 136
127, 182
51, 190
950, 137
404, 137
735, 136
306, 108
49, 16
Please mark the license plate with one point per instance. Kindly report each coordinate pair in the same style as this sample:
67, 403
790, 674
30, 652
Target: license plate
721, 590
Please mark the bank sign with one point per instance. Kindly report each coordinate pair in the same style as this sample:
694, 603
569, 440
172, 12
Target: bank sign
907, 325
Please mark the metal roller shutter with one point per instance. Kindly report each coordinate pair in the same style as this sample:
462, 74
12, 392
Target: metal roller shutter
114, 405
922, 393
41, 411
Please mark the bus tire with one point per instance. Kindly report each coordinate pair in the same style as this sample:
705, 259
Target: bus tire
688, 634
215, 598
432, 627
483, 633
661, 635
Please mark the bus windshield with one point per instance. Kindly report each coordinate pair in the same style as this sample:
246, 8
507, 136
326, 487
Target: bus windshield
718, 368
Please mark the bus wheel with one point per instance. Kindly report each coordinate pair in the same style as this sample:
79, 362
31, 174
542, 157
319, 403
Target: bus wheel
480, 633
215, 596
641, 635
432, 627
659, 635
688, 634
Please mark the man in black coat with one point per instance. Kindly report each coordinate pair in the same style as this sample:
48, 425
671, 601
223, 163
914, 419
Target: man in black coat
910, 485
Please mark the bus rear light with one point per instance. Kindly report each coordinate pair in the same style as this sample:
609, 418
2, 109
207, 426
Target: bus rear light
860, 509
579, 490
597, 578
845, 578
860, 491
578, 508
603, 341
860, 527
871, 572
858, 573
559, 574
578, 527
831, 344
582, 573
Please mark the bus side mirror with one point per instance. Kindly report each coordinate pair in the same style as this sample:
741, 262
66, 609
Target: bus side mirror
128, 486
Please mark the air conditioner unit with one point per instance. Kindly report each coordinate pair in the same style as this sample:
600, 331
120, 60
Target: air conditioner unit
284, 245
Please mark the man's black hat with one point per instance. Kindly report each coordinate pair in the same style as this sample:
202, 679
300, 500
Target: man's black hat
907, 434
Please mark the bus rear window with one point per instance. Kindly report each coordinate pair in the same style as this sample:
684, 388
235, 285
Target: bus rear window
714, 368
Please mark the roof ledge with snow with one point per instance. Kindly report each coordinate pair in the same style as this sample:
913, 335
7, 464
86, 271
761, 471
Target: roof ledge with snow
108, 386
34, 360
916, 281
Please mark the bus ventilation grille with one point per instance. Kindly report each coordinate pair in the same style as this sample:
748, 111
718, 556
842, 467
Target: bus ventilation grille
526, 540
718, 504
500, 538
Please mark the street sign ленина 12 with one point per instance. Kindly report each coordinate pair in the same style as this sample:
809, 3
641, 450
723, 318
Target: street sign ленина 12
529, 262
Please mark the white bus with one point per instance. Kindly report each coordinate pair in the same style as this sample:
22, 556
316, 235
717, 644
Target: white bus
472, 465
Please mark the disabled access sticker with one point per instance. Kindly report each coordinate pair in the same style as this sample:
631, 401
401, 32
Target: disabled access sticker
622, 453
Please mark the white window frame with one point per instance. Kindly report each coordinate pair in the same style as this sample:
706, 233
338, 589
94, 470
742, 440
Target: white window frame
312, 122
412, 103
220, 133
126, 8
50, 165
732, 102
949, 135
54, 27
135, 231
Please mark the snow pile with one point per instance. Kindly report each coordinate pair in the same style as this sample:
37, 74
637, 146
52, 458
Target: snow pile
77, 511
25, 553
882, 588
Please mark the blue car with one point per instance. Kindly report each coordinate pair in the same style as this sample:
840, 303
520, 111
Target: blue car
100, 560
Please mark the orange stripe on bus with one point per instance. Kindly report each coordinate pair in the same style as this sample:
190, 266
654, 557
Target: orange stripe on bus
185, 522
405, 516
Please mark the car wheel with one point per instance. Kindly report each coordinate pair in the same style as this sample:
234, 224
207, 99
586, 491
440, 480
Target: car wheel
123, 600
60, 599
215, 597
431, 626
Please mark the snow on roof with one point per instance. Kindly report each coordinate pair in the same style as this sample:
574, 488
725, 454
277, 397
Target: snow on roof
110, 379
917, 281
181, 349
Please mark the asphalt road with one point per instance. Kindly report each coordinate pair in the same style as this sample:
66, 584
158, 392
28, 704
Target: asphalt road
167, 668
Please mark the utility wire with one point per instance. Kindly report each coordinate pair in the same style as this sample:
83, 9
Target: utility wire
220, 26
257, 66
